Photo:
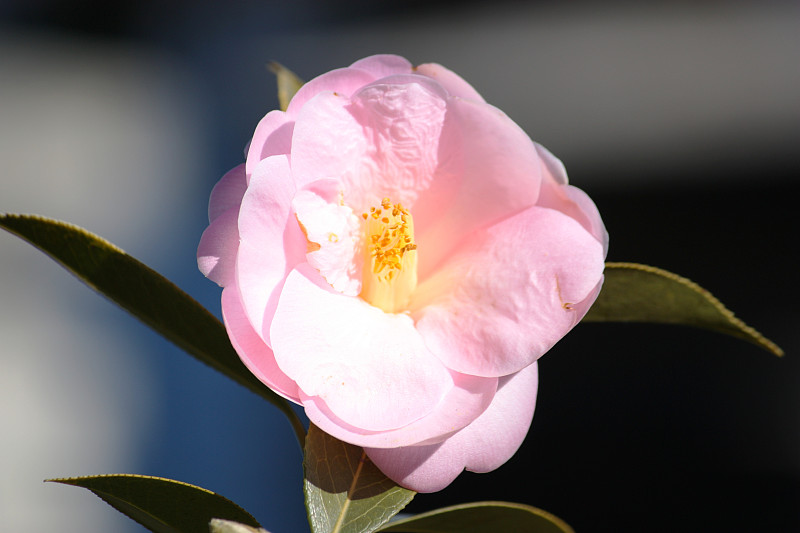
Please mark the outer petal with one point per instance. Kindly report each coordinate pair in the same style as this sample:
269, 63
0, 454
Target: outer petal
371, 368
582, 307
468, 397
451, 81
216, 253
227, 193
273, 136
482, 446
571, 201
591, 219
493, 169
343, 81
553, 168
256, 355
508, 296
271, 241
383, 65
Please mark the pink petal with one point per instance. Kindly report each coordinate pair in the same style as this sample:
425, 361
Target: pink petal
577, 205
402, 117
590, 218
271, 241
468, 397
273, 136
370, 368
383, 143
508, 296
337, 233
227, 193
553, 169
343, 81
493, 171
571, 201
582, 307
451, 81
216, 253
484, 445
383, 65
328, 142
251, 348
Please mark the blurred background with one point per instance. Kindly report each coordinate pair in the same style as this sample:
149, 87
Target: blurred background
681, 120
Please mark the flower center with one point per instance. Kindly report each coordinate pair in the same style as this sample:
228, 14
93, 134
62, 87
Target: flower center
390, 257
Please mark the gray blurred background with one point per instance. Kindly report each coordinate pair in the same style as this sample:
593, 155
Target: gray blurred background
681, 119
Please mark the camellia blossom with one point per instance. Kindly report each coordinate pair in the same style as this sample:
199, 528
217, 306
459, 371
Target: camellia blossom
395, 255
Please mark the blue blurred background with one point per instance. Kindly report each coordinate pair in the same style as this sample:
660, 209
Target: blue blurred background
681, 119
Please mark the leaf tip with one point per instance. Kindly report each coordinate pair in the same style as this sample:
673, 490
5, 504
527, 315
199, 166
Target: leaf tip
724, 320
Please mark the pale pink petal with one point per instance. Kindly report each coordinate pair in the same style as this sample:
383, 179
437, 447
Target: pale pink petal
343, 81
484, 445
256, 355
227, 193
392, 105
335, 234
556, 194
328, 142
590, 218
383, 65
371, 368
508, 295
451, 81
494, 171
402, 117
577, 205
216, 253
582, 307
382, 144
273, 136
271, 241
553, 168
464, 402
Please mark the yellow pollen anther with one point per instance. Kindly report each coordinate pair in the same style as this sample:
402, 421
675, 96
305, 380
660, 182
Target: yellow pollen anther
390, 257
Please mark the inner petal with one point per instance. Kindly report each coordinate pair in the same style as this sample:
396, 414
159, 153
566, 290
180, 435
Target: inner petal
333, 234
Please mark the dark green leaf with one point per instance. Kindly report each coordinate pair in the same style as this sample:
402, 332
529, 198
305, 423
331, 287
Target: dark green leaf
482, 517
345, 492
162, 505
288, 84
640, 293
144, 293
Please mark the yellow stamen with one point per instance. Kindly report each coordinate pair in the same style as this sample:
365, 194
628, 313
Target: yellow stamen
390, 257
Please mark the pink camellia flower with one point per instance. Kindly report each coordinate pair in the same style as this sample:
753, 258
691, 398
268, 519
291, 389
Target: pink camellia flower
395, 255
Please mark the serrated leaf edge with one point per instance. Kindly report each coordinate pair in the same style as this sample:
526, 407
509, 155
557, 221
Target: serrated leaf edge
534, 510
738, 323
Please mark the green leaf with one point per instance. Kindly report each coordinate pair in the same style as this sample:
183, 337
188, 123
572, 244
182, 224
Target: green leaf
144, 293
162, 505
640, 293
288, 83
345, 491
482, 517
